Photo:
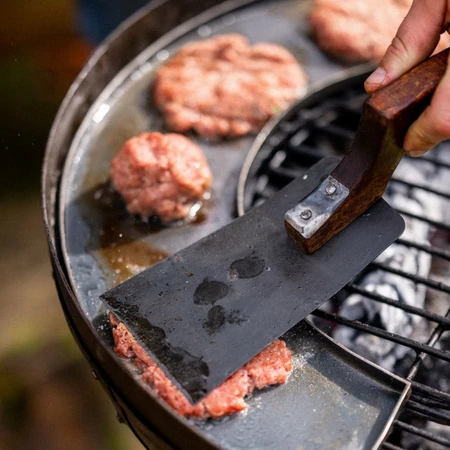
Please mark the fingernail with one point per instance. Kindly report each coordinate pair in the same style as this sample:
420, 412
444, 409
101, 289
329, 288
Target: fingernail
377, 77
416, 153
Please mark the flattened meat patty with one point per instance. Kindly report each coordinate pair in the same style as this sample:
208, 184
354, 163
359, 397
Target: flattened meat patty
162, 175
359, 30
271, 366
225, 87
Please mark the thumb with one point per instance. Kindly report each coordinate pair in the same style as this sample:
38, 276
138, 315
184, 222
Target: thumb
416, 39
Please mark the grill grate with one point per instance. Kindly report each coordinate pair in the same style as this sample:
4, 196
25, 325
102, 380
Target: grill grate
327, 128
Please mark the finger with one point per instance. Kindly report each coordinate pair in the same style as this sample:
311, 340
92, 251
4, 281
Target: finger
416, 39
433, 125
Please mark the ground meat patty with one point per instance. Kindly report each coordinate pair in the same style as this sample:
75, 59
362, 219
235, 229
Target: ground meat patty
162, 175
271, 366
224, 87
359, 30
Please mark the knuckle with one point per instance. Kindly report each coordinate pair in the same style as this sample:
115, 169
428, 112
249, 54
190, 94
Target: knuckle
401, 46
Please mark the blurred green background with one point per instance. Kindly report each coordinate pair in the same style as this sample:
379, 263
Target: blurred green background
48, 397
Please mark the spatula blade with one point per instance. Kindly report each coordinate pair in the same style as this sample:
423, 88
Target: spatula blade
207, 310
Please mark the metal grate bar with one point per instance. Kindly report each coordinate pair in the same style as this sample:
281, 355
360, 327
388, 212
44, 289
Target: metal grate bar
397, 304
427, 406
423, 433
434, 223
432, 403
434, 338
416, 278
429, 391
434, 251
417, 346
298, 138
421, 187
429, 413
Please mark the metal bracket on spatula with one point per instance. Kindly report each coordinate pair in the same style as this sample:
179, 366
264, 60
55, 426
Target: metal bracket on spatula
309, 215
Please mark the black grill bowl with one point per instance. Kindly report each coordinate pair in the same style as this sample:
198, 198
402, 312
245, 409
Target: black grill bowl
153, 422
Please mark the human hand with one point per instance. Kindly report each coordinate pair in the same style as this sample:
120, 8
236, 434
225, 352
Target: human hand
416, 39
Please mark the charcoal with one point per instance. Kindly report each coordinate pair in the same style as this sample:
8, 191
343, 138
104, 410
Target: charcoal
413, 261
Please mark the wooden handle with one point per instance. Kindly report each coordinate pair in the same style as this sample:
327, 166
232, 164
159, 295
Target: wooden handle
374, 154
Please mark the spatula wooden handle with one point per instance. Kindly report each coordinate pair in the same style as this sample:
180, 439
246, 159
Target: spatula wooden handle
363, 174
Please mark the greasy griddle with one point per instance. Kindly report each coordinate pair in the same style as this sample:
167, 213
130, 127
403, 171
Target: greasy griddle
95, 225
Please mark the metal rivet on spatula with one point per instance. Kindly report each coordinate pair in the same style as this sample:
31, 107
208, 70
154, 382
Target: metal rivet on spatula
331, 189
306, 214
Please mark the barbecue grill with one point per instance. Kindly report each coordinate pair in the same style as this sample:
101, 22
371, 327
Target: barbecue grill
321, 126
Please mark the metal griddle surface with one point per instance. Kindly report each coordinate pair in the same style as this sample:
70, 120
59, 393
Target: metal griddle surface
332, 397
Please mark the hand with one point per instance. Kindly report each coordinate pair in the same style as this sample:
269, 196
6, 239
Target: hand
415, 41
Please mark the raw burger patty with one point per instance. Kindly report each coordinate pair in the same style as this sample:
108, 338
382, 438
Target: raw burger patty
271, 366
359, 30
225, 87
162, 175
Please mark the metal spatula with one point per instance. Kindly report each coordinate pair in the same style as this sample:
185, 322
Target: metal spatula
207, 310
